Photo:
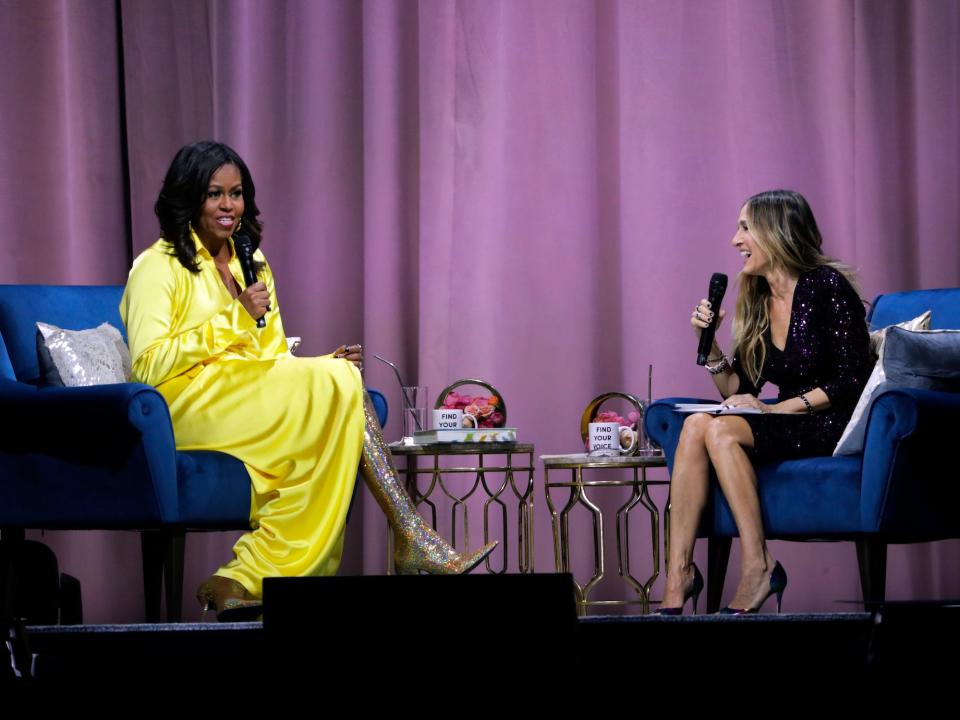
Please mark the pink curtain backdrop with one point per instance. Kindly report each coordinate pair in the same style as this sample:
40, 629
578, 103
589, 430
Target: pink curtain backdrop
534, 193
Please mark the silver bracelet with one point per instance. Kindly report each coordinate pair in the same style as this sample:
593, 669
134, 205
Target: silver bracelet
721, 365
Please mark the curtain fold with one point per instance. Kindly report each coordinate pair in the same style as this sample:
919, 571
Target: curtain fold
62, 194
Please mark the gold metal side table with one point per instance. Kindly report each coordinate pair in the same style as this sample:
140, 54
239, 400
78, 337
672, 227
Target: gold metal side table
514, 472
577, 487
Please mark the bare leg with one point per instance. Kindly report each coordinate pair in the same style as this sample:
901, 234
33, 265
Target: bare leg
726, 440
689, 485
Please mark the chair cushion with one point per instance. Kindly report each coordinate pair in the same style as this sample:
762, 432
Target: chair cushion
811, 498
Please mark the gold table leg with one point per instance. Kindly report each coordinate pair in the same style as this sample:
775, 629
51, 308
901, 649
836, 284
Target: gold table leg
460, 515
623, 545
579, 495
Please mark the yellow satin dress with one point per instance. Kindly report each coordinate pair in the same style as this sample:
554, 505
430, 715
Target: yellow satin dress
296, 423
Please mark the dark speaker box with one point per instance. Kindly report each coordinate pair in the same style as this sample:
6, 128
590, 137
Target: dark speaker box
464, 624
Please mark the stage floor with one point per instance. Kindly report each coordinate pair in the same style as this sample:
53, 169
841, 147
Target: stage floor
807, 648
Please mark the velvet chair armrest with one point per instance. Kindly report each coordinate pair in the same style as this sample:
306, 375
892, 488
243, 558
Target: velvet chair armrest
95, 445
910, 490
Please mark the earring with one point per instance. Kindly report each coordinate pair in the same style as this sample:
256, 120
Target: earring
239, 223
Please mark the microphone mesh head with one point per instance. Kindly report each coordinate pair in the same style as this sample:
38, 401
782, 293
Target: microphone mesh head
718, 281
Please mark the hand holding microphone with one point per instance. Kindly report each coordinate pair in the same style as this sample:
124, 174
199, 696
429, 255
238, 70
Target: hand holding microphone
255, 299
706, 317
703, 315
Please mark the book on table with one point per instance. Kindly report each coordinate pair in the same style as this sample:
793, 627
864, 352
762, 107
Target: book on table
465, 435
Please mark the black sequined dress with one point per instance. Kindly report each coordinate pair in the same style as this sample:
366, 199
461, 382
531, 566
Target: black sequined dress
827, 347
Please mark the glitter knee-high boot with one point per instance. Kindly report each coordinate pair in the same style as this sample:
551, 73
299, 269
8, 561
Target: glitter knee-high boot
417, 546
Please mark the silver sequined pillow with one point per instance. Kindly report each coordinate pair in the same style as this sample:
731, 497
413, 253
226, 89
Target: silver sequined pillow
920, 322
97, 356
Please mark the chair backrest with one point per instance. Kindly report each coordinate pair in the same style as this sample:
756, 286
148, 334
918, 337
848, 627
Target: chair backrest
72, 307
898, 307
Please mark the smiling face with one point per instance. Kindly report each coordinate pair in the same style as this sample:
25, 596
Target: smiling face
755, 260
222, 207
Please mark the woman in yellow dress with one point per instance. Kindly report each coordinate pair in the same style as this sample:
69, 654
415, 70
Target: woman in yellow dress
302, 426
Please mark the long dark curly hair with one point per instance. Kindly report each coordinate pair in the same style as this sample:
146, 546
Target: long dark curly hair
184, 191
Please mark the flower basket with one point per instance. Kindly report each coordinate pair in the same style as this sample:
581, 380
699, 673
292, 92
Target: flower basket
634, 419
488, 409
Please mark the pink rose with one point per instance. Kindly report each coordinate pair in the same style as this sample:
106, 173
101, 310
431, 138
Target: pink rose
608, 416
472, 409
497, 419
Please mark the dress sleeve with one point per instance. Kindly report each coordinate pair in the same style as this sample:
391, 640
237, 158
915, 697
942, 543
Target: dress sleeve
747, 386
847, 340
153, 305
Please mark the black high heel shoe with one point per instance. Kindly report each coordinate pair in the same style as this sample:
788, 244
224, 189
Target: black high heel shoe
693, 592
778, 583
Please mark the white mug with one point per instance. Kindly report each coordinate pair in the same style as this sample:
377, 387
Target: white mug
604, 439
447, 419
607, 439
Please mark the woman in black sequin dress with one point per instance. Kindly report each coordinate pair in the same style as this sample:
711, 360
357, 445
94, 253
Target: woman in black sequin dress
800, 324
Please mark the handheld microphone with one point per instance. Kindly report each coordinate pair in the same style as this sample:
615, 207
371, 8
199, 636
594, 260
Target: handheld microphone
718, 286
244, 247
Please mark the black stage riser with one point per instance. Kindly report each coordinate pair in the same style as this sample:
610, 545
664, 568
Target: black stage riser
511, 628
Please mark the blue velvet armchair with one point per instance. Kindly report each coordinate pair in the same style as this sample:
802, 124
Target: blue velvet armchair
104, 457
903, 487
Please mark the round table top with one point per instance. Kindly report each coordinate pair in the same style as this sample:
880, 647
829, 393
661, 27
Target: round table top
589, 461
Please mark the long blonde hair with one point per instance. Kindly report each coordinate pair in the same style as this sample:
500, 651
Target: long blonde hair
782, 225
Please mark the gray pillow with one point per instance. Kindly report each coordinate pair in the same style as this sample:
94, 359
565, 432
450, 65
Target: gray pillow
75, 358
924, 360
927, 360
